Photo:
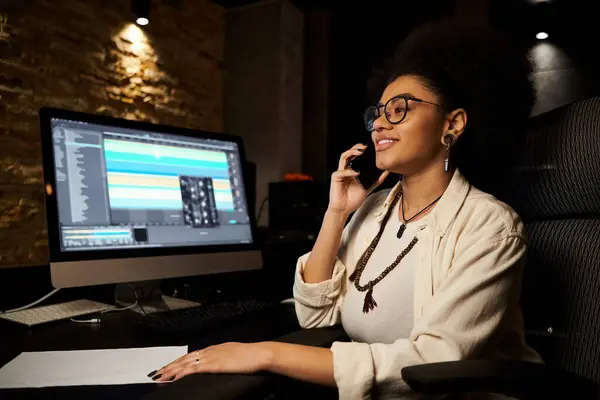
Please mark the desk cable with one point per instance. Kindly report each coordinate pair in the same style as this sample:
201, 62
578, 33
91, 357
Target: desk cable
137, 298
260, 209
97, 320
30, 304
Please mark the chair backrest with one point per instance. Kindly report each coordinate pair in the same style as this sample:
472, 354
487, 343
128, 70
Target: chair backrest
557, 193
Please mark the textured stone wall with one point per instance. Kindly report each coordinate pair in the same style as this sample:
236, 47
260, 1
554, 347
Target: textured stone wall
88, 56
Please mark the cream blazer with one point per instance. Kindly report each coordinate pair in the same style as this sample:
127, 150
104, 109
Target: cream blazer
466, 297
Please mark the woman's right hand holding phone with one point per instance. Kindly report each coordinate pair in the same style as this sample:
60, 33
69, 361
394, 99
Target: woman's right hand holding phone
345, 196
346, 193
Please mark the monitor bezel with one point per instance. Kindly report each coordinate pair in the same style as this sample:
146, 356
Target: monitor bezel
56, 254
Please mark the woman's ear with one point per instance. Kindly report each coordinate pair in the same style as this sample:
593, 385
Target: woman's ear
456, 122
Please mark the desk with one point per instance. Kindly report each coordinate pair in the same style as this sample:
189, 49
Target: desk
117, 330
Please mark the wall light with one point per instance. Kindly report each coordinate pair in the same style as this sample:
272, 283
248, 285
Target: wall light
141, 9
542, 35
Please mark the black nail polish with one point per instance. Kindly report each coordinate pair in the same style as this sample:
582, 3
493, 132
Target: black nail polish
156, 377
151, 374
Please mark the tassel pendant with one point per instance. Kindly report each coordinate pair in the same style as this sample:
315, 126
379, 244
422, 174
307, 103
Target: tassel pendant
370, 303
401, 231
353, 275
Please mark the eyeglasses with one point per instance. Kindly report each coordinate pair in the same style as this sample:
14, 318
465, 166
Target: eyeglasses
395, 110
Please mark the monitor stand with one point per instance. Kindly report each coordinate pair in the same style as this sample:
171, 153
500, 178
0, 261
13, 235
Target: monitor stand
149, 297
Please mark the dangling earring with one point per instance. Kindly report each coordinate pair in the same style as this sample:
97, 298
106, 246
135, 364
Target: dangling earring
448, 141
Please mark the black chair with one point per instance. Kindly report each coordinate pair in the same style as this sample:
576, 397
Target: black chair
558, 196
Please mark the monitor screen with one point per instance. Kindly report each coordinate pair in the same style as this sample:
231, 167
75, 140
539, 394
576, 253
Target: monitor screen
122, 188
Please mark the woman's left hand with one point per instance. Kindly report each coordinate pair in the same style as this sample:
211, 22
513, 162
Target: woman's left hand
240, 358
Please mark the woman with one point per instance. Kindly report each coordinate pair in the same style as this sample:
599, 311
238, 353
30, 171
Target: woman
431, 270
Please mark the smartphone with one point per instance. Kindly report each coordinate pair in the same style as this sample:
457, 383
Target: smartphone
365, 164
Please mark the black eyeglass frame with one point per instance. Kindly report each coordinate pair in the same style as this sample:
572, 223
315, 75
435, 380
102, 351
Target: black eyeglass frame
405, 97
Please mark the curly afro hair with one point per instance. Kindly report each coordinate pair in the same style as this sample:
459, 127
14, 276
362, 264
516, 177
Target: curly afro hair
469, 65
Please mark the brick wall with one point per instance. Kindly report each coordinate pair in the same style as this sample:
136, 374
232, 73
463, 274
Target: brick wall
88, 56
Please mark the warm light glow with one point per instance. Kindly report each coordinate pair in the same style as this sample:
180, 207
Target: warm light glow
542, 35
544, 55
139, 42
142, 21
133, 42
133, 34
3, 23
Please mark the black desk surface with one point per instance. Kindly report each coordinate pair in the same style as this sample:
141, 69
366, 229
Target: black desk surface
118, 330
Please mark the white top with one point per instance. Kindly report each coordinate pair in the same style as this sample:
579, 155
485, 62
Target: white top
393, 318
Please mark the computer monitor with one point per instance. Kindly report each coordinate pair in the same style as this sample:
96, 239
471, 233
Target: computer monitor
131, 201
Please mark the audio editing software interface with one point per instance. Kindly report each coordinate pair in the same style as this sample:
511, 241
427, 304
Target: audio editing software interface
122, 188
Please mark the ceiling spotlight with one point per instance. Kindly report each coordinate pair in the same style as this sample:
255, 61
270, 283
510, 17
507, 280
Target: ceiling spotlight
141, 10
542, 35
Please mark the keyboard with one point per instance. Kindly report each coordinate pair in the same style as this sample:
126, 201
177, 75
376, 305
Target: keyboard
55, 312
206, 317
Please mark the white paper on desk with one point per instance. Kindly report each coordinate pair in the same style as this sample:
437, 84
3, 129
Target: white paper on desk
87, 367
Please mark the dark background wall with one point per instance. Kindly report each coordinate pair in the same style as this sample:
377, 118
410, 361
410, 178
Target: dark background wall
263, 94
566, 64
